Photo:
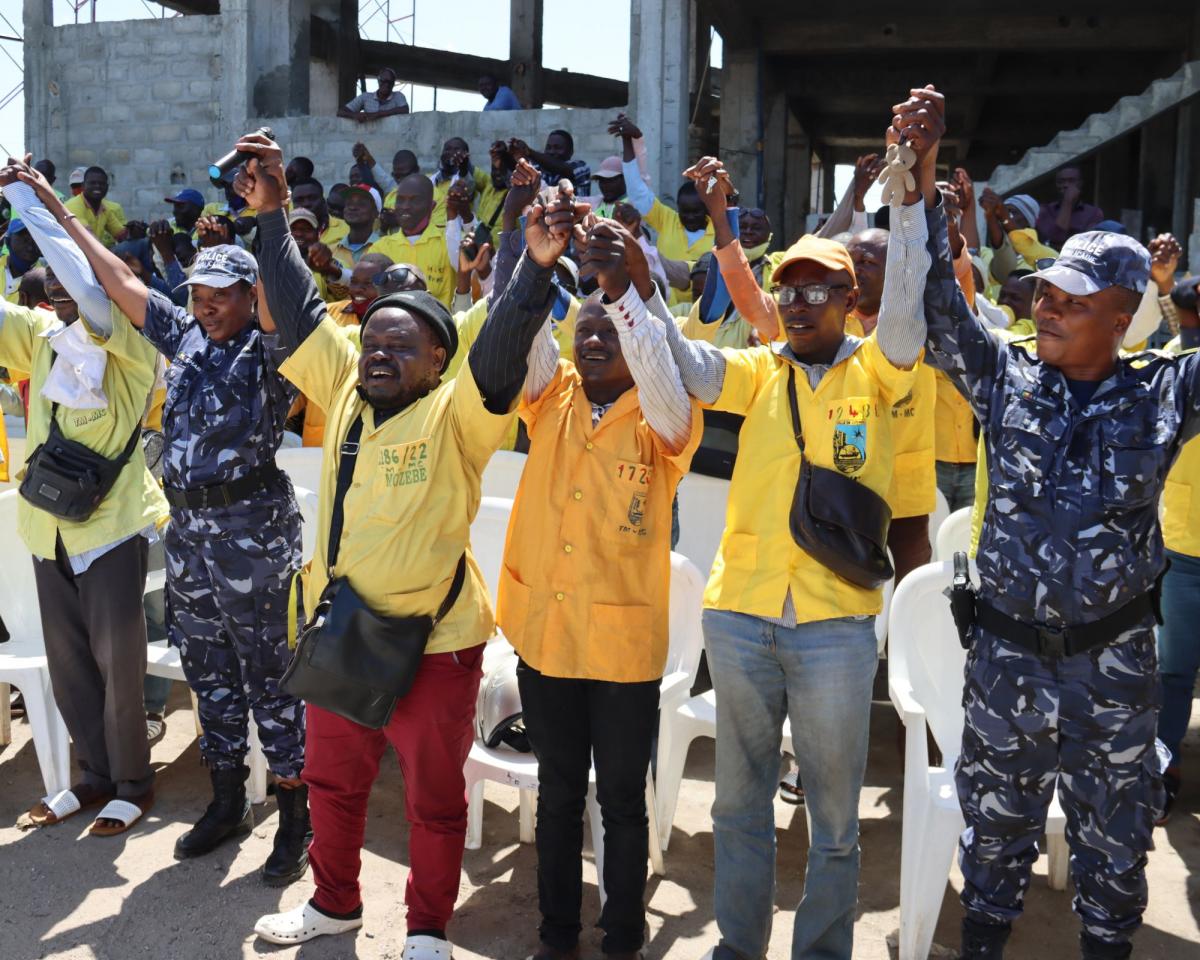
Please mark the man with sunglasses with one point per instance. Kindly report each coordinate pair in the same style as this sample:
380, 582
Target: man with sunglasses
784, 635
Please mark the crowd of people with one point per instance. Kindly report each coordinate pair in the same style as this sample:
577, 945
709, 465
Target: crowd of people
412, 324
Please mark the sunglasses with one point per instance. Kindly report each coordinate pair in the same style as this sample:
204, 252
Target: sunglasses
399, 276
814, 293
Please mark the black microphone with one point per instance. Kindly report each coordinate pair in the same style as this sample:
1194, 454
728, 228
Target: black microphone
234, 159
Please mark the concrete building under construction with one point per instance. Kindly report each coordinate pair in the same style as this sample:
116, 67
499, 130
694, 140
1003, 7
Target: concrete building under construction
1112, 87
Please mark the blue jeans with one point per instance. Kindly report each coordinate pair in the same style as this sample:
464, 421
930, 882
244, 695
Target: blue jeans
957, 483
1178, 648
820, 675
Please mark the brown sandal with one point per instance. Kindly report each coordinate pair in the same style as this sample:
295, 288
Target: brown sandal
121, 814
62, 806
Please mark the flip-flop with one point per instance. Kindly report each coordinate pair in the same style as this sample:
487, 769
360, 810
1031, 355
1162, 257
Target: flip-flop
62, 806
790, 790
125, 812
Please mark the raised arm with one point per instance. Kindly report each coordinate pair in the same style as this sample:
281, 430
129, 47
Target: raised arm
70, 266
499, 358
118, 281
754, 304
295, 308
957, 342
623, 273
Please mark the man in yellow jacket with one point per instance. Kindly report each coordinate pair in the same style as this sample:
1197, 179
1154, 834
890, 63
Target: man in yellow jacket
786, 636
419, 447
584, 592
91, 572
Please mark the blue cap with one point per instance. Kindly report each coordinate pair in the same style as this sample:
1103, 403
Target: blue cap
16, 225
222, 266
1096, 260
186, 196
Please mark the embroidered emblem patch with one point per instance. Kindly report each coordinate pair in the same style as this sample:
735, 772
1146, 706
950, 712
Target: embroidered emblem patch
849, 446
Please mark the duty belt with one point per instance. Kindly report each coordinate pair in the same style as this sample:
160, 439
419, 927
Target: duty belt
1058, 642
222, 494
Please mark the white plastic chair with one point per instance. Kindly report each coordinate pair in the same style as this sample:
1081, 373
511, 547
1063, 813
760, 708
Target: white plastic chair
23, 658
881, 621
702, 504
925, 681
302, 464
306, 500
502, 475
941, 510
520, 770
954, 535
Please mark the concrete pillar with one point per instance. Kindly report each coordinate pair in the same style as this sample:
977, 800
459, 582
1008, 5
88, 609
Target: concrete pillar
41, 93
829, 198
799, 185
525, 51
277, 57
658, 85
740, 139
1187, 182
1156, 175
775, 157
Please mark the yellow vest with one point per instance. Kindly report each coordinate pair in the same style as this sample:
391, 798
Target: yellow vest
585, 588
913, 490
429, 253
313, 434
136, 500
415, 491
3, 451
15, 296
105, 225
953, 423
672, 242
1181, 502
336, 232
847, 426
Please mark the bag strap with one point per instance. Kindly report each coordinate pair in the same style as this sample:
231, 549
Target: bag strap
460, 577
347, 457
499, 210
791, 388
121, 459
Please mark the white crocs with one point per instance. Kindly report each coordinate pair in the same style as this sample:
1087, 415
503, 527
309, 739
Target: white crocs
427, 948
302, 924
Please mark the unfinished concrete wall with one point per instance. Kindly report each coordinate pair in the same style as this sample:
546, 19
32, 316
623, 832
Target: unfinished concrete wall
155, 101
140, 98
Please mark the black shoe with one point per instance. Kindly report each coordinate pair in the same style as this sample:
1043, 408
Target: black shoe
1171, 783
983, 941
1093, 949
289, 859
228, 816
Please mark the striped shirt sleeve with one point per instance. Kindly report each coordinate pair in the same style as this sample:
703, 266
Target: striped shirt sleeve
643, 337
901, 328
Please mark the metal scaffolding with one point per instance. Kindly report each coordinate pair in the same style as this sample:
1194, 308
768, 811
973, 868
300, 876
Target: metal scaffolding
394, 21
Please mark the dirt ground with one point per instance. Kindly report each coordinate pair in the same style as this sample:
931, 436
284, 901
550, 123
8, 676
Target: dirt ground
72, 897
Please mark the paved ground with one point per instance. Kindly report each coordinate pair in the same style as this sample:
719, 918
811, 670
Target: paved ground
71, 897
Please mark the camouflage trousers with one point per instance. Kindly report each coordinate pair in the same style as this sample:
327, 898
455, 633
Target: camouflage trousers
1087, 723
227, 614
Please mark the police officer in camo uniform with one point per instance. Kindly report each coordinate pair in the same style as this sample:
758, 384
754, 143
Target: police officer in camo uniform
234, 537
1061, 683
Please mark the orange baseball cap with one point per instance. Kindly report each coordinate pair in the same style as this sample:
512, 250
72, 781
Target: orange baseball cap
828, 253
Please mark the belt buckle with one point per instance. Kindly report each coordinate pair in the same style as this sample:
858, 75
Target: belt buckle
1052, 642
203, 505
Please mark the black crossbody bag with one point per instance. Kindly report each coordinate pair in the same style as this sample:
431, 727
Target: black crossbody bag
349, 660
68, 480
840, 523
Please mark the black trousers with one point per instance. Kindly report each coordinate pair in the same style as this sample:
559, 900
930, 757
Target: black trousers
95, 631
570, 723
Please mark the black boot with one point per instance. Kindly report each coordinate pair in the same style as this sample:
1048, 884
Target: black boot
983, 941
229, 815
1093, 949
289, 859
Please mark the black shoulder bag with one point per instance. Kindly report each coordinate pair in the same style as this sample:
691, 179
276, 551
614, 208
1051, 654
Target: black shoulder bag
840, 523
68, 480
351, 661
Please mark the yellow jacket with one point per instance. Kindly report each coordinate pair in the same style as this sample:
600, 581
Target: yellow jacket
846, 426
587, 571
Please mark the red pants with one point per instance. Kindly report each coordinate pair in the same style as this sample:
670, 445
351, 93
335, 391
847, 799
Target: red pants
431, 731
